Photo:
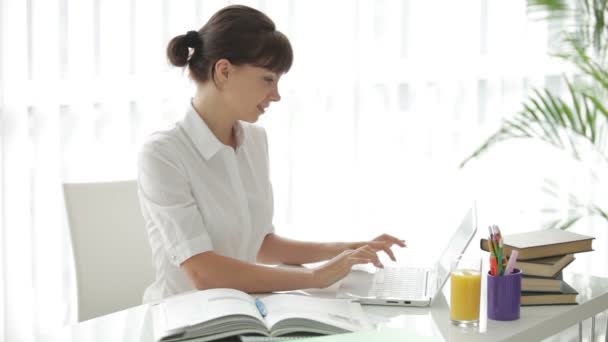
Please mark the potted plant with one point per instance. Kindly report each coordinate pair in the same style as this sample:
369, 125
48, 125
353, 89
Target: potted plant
576, 124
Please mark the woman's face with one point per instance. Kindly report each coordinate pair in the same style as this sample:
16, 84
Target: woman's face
249, 90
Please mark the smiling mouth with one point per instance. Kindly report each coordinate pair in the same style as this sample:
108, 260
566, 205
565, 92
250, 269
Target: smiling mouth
261, 109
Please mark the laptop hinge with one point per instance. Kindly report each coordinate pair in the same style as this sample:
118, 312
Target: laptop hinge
426, 283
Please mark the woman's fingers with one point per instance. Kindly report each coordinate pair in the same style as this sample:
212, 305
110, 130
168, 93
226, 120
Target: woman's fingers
370, 249
385, 242
390, 253
384, 246
391, 239
358, 261
369, 253
341, 265
378, 243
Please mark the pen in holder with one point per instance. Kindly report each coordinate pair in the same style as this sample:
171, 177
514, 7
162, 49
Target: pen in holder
504, 296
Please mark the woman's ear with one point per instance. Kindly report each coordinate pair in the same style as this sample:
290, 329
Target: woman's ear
223, 68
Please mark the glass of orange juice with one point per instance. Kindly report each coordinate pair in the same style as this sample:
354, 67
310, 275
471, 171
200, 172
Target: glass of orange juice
466, 290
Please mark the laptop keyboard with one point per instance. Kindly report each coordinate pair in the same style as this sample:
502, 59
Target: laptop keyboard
400, 282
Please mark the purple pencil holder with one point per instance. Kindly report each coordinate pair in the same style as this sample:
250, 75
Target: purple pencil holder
504, 296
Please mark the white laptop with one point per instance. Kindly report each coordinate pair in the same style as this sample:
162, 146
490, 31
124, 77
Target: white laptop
409, 286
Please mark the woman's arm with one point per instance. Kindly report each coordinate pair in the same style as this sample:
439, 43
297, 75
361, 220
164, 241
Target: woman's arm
276, 249
210, 270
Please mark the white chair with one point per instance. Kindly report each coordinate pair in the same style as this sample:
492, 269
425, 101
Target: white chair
111, 250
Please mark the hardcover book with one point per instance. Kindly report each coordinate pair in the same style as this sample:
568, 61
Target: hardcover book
544, 243
541, 284
566, 295
545, 267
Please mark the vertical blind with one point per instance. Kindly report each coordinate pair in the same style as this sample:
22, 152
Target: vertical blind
384, 100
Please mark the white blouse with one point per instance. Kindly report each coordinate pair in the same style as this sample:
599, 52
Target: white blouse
198, 195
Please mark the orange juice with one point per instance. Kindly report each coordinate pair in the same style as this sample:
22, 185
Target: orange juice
466, 287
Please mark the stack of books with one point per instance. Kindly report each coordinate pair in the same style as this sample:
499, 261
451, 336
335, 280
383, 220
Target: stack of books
542, 256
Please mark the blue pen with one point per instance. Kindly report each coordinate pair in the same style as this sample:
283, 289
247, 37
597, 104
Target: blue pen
261, 307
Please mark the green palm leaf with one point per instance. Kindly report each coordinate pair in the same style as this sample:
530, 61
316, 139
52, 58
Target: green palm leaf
548, 118
583, 116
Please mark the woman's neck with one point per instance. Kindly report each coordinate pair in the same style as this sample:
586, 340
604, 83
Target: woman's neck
207, 104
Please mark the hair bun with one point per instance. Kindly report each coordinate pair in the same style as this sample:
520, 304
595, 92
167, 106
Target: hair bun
193, 40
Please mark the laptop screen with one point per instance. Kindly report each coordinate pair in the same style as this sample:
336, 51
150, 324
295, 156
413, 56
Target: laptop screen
456, 246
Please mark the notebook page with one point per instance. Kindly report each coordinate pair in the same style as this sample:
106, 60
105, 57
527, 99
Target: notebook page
336, 312
203, 306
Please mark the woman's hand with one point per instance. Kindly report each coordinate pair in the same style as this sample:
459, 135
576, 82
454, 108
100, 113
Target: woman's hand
338, 267
383, 242
356, 253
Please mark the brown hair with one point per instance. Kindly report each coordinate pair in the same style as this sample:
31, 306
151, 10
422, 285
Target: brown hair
240, 34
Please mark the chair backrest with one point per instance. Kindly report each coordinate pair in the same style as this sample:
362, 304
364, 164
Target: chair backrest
111, 251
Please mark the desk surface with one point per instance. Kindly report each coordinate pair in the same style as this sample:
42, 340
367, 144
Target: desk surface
432, 323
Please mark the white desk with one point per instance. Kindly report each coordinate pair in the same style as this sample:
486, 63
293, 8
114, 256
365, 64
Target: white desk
420, 323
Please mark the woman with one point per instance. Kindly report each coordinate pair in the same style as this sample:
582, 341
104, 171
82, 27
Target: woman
204, 185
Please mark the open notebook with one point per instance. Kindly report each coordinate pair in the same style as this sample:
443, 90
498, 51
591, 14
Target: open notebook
218, 313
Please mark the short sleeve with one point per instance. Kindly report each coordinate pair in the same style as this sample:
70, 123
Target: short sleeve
166, 196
